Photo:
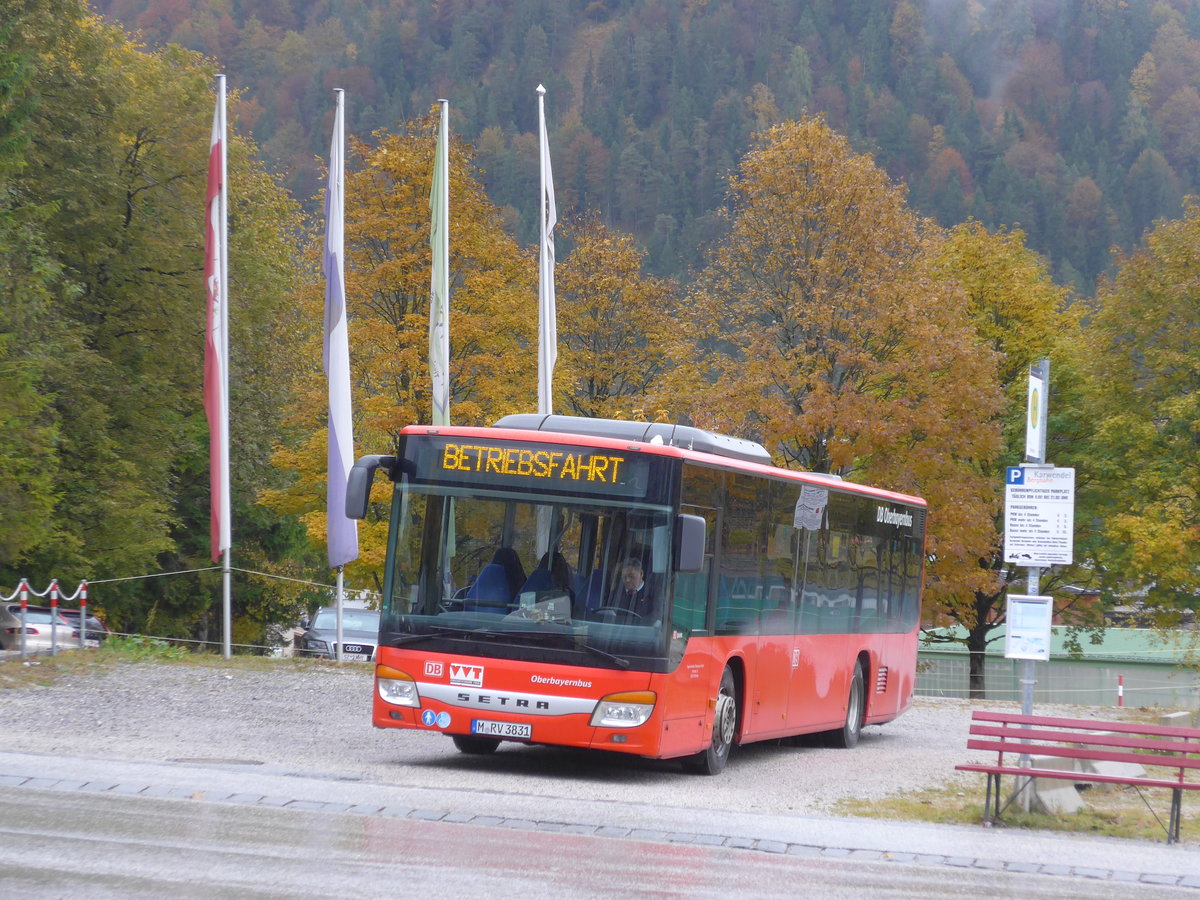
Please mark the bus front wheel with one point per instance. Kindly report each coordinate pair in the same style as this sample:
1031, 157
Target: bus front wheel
712, 760
847, 736
478, 746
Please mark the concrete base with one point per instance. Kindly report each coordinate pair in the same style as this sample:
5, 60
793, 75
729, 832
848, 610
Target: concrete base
1103, 767
1051, 795
1183, 719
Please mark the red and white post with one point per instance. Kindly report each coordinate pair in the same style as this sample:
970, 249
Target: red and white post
24, 589
53, 616
82, 614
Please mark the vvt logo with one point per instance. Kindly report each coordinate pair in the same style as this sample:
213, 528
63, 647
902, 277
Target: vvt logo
470, 676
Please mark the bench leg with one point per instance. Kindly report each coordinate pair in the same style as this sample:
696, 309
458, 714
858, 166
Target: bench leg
1176, 814
991, 803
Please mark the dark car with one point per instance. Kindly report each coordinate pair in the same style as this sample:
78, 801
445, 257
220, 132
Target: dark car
360, 631
97, 631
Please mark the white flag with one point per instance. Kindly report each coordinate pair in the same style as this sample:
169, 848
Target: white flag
547, 326
439, 283
342, 532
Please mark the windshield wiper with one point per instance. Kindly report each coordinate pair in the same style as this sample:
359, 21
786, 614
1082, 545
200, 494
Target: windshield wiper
611, 657
524, 633
438, 631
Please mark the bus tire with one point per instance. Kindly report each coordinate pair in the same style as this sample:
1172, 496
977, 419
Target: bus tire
477, 746
711, 761
847, 736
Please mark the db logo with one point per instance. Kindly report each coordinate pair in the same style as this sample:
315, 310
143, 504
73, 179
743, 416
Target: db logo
433, 669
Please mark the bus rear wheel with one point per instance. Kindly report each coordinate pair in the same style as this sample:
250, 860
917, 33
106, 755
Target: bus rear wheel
477, 746
847, 736
712, 760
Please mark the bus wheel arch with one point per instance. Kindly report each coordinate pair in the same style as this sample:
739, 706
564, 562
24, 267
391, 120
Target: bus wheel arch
856, 706
726, 725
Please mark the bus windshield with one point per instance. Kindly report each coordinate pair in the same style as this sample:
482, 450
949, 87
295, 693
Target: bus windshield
491, 572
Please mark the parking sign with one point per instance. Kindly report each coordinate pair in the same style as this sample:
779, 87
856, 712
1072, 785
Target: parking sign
1039, 516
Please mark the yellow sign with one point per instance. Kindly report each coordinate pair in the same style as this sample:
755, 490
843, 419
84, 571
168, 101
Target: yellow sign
529, 463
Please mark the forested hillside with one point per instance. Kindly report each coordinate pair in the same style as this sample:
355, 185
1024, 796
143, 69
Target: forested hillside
815, 308
1079, 120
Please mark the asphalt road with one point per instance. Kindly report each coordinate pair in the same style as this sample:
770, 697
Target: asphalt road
204, 781
74, 826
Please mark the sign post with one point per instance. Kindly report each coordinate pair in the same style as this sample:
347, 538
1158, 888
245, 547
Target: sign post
1039, 529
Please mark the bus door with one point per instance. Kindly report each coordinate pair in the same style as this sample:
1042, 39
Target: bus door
756, 594
824, 612
690, 682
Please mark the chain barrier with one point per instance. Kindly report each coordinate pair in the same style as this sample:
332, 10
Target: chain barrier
54, 593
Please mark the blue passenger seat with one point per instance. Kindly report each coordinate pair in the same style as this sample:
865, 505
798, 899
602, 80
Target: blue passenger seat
489, 592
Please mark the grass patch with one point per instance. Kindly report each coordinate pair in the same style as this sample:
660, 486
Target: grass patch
1119, 812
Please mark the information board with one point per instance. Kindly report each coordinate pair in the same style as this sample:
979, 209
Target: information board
1028, 633
1039, 516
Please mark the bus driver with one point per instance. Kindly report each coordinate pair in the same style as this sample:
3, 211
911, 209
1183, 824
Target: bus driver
635, 594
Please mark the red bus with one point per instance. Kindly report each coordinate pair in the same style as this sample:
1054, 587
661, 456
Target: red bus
650, 589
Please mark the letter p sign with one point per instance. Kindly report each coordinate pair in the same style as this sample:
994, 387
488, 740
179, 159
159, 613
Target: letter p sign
1014, 475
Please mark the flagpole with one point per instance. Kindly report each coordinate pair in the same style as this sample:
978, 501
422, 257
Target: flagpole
547, 215
439, 287
341, 532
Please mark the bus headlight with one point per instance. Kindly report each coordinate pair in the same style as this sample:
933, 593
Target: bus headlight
396, 687
626, 710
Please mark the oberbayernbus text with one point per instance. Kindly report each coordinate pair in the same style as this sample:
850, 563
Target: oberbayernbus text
649, 589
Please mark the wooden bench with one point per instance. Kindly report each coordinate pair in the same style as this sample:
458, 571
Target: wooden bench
1172, 751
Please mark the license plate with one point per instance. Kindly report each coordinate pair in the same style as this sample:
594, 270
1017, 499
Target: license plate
88, 643
355, 657
514, 730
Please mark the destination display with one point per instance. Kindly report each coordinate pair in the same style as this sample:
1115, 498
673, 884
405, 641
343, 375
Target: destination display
575, 470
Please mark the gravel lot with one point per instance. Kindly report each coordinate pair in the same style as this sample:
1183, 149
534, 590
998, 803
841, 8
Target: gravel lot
316, 721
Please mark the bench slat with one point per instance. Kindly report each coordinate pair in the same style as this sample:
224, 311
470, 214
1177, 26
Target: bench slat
981, 715
1089, 752
1064, 775
1014, 748
1085, 737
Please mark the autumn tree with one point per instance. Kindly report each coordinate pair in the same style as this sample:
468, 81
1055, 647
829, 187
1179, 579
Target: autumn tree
103, 248
613, 323
493, 318
1022, 316
820, 329
1144, 401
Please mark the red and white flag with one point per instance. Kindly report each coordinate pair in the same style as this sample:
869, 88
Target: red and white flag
216, 344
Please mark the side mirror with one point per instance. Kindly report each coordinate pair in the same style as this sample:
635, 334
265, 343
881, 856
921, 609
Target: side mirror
305, 623
358, 485
689, 543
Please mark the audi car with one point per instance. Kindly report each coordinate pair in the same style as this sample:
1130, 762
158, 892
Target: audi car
360, 630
